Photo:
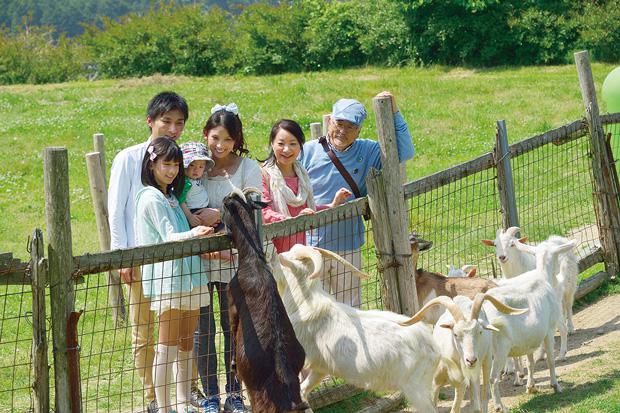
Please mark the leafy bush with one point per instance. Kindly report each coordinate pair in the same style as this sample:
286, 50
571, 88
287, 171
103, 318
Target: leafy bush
270, 38
543, 37
344, 34
32, 56
165, 40
599, 30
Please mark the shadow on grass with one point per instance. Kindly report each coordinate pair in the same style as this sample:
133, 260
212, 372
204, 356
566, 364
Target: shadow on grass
572, 394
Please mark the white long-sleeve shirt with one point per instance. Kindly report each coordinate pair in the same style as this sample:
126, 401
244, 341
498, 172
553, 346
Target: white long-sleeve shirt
125, 182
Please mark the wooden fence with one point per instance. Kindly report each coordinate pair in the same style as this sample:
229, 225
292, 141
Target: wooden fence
489, 187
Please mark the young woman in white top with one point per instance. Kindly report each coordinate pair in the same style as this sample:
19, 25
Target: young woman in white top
223, 133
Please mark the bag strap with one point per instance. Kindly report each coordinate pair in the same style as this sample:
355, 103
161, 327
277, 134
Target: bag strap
345, 174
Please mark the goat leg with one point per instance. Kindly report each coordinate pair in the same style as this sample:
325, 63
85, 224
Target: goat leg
531, 386
310, 382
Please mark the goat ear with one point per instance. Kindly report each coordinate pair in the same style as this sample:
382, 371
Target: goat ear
491, 327
523, 240
447, 325
488, 242
472, 272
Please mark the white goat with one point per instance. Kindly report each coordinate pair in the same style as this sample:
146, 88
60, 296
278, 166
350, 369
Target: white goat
366, 348
464, 338
514, 262
521, 335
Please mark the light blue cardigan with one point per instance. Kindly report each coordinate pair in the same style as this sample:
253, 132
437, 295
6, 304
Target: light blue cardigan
161, 219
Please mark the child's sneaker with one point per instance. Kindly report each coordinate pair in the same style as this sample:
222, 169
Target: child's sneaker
234, 404
212, 405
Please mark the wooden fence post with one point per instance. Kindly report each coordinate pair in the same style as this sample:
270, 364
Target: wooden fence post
60, 268
40, 368
505, 183
390, 215
325, 122
99, 146
99, 194
605, 186
315, 130
377, 203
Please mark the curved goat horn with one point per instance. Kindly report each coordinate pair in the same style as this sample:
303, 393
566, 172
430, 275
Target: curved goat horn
441, 300
512, 231
301, 251
251, 190
347, 265
481, 297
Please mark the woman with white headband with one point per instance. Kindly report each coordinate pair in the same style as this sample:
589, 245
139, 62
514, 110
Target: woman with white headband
223, 133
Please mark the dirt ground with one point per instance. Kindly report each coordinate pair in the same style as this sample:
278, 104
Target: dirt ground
596, 327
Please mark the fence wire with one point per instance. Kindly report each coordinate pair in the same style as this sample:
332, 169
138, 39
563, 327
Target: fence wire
456, 217
110, 380
553, 194
15, 348
553, 188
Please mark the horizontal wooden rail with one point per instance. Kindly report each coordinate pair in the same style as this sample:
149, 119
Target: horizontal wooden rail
610, 118
129, 257
589, 260
436, 180
591, 283
557, 136
352, 209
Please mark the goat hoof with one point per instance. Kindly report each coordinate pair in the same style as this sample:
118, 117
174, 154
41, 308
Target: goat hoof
557, 388
532, 390
561, 358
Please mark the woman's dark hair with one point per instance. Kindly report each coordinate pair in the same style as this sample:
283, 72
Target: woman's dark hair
291, 127
233, 126
165, 149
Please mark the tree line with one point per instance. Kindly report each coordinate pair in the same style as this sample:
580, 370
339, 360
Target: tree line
310, 35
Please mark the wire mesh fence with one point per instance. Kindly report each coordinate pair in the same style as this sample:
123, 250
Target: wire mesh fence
553, 181
455, 209
15, 346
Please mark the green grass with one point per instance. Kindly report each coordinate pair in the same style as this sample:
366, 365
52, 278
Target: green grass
451, 114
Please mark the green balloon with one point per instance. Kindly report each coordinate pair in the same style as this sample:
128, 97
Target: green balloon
611, 90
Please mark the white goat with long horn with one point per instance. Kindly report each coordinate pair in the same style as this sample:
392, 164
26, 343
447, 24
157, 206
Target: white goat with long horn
464, 337
368, 349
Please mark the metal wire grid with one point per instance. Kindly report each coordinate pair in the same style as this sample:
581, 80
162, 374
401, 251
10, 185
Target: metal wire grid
110, 381
553, 187
15, 348
614, 130
455, 217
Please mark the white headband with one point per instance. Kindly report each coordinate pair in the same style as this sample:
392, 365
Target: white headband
231, 107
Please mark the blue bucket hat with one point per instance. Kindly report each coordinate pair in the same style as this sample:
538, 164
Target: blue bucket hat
349, 109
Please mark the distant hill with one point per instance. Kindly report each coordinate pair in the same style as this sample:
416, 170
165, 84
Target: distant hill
66, 16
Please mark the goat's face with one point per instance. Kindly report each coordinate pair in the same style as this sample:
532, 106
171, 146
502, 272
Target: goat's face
238, 208
466, 338
505, 244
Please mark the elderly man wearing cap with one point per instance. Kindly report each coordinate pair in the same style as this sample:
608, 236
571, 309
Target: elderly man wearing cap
339, 160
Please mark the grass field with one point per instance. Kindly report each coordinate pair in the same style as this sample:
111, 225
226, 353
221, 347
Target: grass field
451, 114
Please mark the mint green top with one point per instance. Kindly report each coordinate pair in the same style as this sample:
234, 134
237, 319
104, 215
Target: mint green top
161, 219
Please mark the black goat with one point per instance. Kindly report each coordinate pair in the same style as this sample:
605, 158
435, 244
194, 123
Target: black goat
268, 356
